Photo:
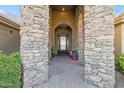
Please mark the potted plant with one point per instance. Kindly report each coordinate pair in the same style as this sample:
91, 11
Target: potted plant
53, 51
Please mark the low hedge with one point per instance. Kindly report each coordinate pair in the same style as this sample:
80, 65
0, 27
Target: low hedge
10, 70
120, 62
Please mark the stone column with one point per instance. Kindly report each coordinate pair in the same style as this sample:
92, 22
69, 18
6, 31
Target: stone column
80, 33
34, 45
99, 46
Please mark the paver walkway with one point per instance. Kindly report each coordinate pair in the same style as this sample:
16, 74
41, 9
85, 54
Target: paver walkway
65, 73
120, 79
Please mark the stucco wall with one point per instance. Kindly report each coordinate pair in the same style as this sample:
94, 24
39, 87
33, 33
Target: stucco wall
119, 34
122, 38
9, 41
118, 39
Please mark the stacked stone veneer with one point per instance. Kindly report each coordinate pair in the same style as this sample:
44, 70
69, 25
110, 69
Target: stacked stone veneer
99, 45
34, 45
80, 33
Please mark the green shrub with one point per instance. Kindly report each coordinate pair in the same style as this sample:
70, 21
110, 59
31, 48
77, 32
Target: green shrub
120, 62
15, 56
10, 70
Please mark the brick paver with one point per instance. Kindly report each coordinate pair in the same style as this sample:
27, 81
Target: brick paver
65, 73
119, 79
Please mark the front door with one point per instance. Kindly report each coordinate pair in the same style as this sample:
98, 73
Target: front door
62, 45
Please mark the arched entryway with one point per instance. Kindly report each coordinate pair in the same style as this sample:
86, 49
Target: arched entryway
64, 30
37, 30
63, 39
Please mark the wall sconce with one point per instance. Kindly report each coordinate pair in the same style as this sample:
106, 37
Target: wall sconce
11, 32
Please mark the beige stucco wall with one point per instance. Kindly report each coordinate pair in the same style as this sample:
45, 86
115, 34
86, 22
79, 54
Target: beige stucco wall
117, 39
9, 42
119, 34
60, 16
122, 38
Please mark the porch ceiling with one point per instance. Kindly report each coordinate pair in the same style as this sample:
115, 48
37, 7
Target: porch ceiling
60, 7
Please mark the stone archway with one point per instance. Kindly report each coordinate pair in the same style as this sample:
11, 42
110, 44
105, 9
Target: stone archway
98, 45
